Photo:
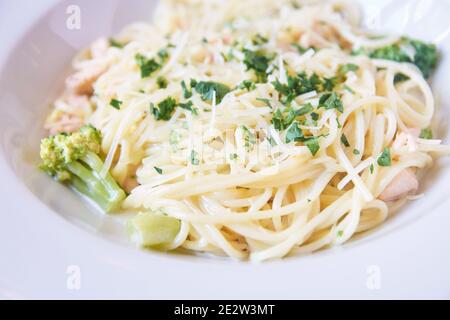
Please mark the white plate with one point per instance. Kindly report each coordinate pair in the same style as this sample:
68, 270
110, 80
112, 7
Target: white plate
49, 239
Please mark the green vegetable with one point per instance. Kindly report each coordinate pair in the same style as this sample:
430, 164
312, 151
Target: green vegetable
314, 116
266, 101
163, 54
164, 109
258, 62
425, 56
313, 145
283, 119
194, 158
159, 170
206, 90
74, 159
400, 77
247, 85
344, 140
147, 66
249, 138
356, 152
161, 82
294, 133
116, 44
186, 93
329, 83
346, 68
150, 229
385, 158
189, 106
301, 49
372, 168
426, 134
116, 103
347, 88
298, 85
331, 101
259, 40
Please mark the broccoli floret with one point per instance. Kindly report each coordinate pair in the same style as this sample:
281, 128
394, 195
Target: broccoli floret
425, 56
74, 159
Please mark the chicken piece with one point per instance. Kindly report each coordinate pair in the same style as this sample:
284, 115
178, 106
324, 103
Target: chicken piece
67, 123
81, 82
69, 114
404, 183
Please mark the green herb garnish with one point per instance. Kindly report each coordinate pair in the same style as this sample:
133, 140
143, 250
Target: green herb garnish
147, 66
116, 103
206, 90
385, 158
258, 62
164, 109
161, 82
426, 134
344, 140
331, 101
194, 158
189, 106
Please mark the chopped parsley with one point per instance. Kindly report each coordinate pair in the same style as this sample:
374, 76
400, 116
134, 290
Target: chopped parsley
372, 168
298, 85
163, 54
299, 48
164, 109
314, 116
159, 170
206, 90
266, 101
347, 88
385, 158
283, 119
161, 82
116, 44
189, 106
194, 158
186, 93
331, 101
346, 68
313, 145
147, 66
344, 140
426, 134
116, 103
259, 40
295, 134
249, 138
248, 85
340, 233
233, 156
329, 83
400, 77
258, 62
356, 152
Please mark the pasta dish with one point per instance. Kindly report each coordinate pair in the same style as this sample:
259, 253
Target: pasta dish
254, 129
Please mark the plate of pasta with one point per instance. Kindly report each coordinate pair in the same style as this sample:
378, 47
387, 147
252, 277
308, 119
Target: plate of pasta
243, 134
